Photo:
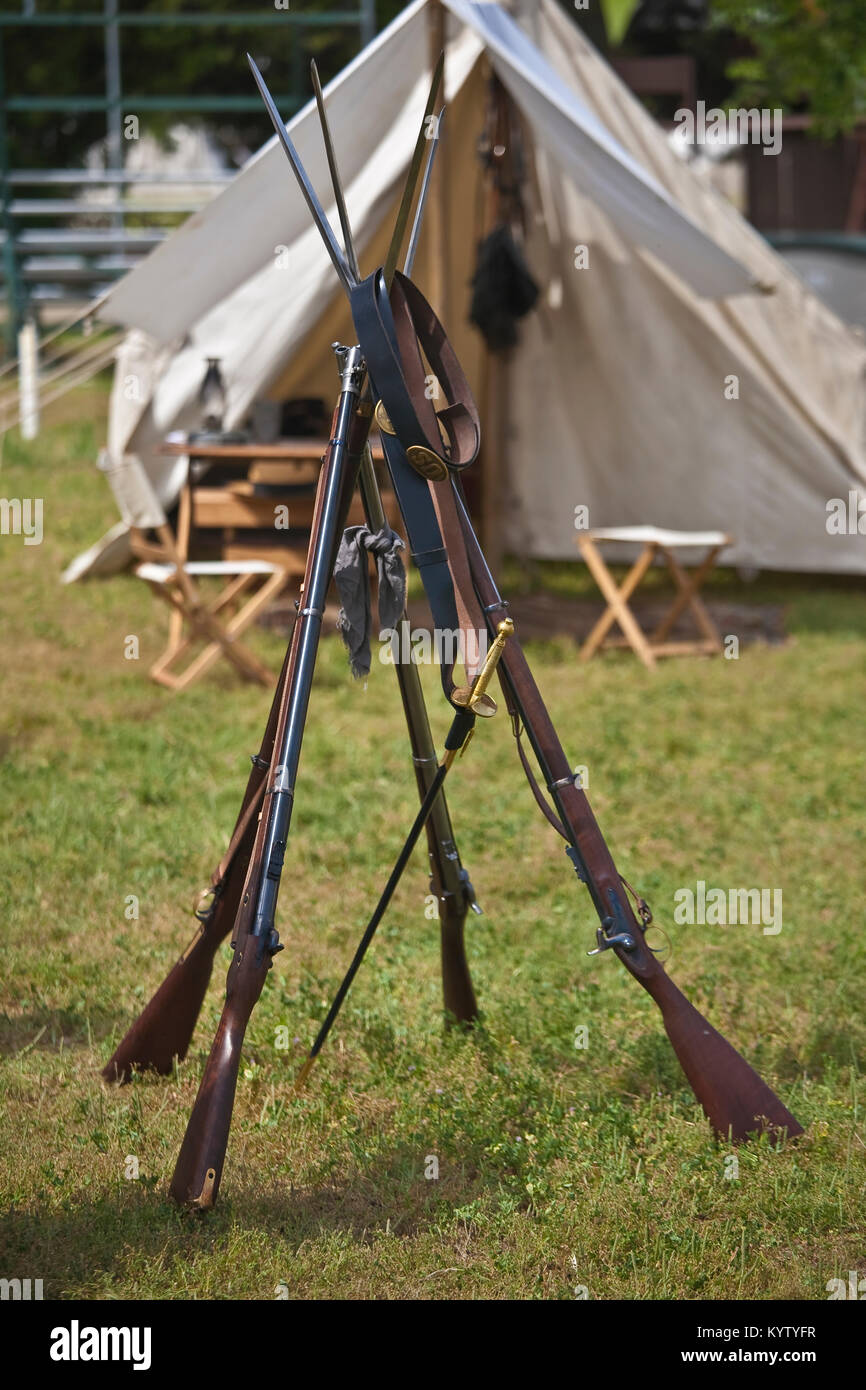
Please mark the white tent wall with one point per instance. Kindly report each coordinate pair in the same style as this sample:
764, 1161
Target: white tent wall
310, 370
625, 382
615, 398
249, 305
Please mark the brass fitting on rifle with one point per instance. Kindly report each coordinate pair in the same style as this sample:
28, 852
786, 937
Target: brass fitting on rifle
474, 696
201, 908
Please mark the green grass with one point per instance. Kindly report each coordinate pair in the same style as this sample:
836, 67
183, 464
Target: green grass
558, 1167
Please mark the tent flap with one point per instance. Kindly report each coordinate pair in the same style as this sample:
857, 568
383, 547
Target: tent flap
636, 391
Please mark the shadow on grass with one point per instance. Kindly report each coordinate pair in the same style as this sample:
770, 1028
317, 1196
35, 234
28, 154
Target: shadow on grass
828, 1051
45, 1029
137, 1243
828, 604
652, 1069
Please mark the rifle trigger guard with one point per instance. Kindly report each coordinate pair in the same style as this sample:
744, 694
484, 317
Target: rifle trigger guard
664, 951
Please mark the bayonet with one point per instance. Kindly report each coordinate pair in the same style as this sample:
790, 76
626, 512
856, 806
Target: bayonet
336, 183
415, 234
412, 176
347, 279
339, 195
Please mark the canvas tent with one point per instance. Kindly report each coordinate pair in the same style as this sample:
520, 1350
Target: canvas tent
685, 378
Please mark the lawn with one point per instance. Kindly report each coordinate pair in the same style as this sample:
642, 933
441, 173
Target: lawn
563, 1171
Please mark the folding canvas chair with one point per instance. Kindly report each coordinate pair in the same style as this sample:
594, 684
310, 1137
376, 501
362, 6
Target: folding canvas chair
172, 576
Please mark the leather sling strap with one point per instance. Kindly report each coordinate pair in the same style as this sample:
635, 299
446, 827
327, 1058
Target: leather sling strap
377, 335
393, 333
473, 625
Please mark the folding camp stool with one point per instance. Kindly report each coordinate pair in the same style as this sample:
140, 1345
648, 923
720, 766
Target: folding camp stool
172, 578
653, 542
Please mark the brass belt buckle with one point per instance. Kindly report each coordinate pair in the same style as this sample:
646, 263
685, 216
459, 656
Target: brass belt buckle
422, 459
425, 462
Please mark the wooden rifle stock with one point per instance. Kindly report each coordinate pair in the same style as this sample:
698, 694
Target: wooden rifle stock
735, 1099
163, 1031
457, 992
200, 1162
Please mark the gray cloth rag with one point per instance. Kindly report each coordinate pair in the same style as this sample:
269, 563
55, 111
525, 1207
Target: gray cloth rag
352, 577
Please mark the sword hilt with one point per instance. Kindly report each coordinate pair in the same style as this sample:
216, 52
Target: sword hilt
474, 696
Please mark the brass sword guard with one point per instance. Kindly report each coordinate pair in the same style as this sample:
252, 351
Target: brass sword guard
474, 696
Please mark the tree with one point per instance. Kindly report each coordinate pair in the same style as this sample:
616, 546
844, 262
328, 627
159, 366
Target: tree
199, 60
806, 55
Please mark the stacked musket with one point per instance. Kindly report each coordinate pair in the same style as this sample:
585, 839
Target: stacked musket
399, 338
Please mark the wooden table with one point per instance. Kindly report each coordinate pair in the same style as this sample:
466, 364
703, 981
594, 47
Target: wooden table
280, 450
289, 463
653, 542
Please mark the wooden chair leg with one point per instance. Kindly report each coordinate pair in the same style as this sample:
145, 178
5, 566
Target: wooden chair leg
232, 591
253, 668
178, 547
173, 650
219, 641
617, 609
688, 597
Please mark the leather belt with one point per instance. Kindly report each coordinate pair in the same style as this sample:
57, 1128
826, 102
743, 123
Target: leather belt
393, 334
386, 352
453, 572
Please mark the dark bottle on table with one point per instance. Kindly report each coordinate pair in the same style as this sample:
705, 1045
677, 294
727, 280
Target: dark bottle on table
212, 396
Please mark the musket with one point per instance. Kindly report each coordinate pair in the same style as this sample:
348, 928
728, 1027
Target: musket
199, 1166
163, 1031
449, 881
735, 1099
200, 1163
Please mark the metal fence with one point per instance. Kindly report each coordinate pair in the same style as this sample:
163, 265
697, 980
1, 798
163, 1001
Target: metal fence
74, 260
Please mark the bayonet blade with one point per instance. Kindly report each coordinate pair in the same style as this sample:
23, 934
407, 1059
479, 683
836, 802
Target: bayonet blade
412, 177
339, 196
415, 234
332, 246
